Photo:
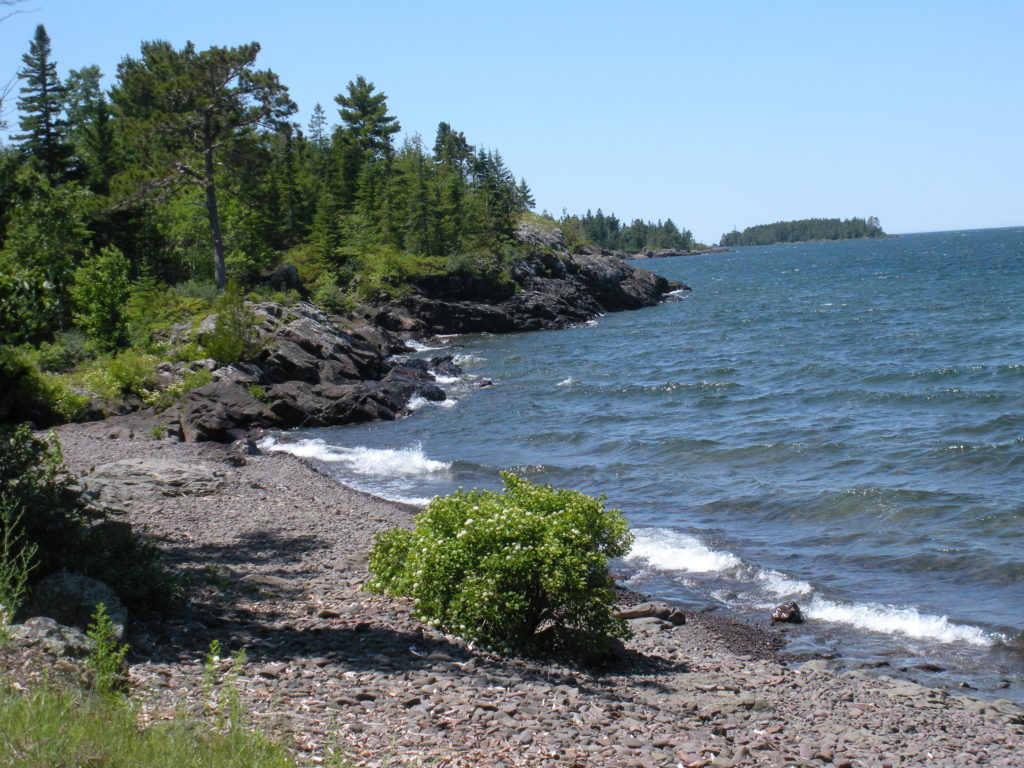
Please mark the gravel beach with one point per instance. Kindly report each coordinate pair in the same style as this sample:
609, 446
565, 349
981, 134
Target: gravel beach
277, 555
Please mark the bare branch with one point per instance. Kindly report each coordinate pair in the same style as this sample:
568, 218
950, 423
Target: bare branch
11, 4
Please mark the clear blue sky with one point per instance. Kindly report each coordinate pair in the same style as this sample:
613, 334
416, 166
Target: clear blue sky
712, 113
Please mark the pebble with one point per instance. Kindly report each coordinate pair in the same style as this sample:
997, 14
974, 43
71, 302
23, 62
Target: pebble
703, 692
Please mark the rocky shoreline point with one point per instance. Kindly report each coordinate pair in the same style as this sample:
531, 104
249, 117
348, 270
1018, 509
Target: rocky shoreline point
277, 554
316, 369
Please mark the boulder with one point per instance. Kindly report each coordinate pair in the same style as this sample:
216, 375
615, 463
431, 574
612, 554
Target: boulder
214, 410
49, 636
71, 599
285, 278
788, 613
299, 404
146, 480
445, 365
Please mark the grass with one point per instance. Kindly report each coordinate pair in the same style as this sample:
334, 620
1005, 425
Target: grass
51, 726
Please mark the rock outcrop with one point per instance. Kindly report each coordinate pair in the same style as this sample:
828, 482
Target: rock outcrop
314, 369
552, 287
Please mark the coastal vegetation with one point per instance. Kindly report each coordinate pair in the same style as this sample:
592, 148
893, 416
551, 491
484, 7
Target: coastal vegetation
524, 570
126, 211
803, 230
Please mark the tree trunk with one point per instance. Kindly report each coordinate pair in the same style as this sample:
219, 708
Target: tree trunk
219, 269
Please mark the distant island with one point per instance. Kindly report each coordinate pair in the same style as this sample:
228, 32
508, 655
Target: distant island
803, 230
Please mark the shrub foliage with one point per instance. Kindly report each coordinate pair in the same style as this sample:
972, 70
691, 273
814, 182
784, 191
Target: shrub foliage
522, 570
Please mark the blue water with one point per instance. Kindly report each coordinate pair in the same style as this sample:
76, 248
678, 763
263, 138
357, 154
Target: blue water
837, 423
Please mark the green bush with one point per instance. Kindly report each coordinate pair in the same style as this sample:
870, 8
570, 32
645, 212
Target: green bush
235, 336
106, 654
525, 570
17, 559
67, 350
100, 291
328, 295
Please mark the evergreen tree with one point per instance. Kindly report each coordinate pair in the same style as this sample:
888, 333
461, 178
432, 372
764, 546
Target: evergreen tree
41, 104
184, 111
364, 138
90, 128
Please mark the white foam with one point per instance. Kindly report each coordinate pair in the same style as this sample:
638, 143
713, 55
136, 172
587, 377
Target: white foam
446, 379
406, 462
415, 501
782, 585
566, 382
419, 401
892, 620
419, 346
671, 551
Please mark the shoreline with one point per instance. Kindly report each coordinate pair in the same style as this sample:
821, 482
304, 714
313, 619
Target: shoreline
277, 553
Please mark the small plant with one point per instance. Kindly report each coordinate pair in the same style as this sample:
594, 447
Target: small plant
235, 335
258, 392
17, 558
220, 692
106, 657
525, 570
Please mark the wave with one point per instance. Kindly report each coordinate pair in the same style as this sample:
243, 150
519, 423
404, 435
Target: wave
419, 401
890, 619
406, 462
666, 550
419, 346
671, 551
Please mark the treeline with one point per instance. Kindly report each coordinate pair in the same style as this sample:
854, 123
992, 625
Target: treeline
608, 232
188, 170
805, 229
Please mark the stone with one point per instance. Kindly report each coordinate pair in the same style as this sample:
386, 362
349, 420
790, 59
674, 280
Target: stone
146, 480
789, 613
445, 365
72, 598
50, 636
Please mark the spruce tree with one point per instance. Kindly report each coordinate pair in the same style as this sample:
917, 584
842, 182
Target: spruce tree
41, 103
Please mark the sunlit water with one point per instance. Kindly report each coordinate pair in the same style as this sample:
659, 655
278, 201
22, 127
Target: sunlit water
840, 424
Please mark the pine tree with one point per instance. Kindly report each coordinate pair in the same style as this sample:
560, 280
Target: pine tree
41, 103
184, 111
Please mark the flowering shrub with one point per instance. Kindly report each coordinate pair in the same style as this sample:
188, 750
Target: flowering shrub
524, 570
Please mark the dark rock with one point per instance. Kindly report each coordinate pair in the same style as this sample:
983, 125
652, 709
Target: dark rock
445, 365
298, 404
788, 612
550, 288
286, 278
212, 411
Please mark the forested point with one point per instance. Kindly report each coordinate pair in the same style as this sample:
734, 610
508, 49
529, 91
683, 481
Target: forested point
804, 230
606, 231
127, 211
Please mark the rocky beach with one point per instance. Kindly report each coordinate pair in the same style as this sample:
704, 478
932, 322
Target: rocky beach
276, 554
